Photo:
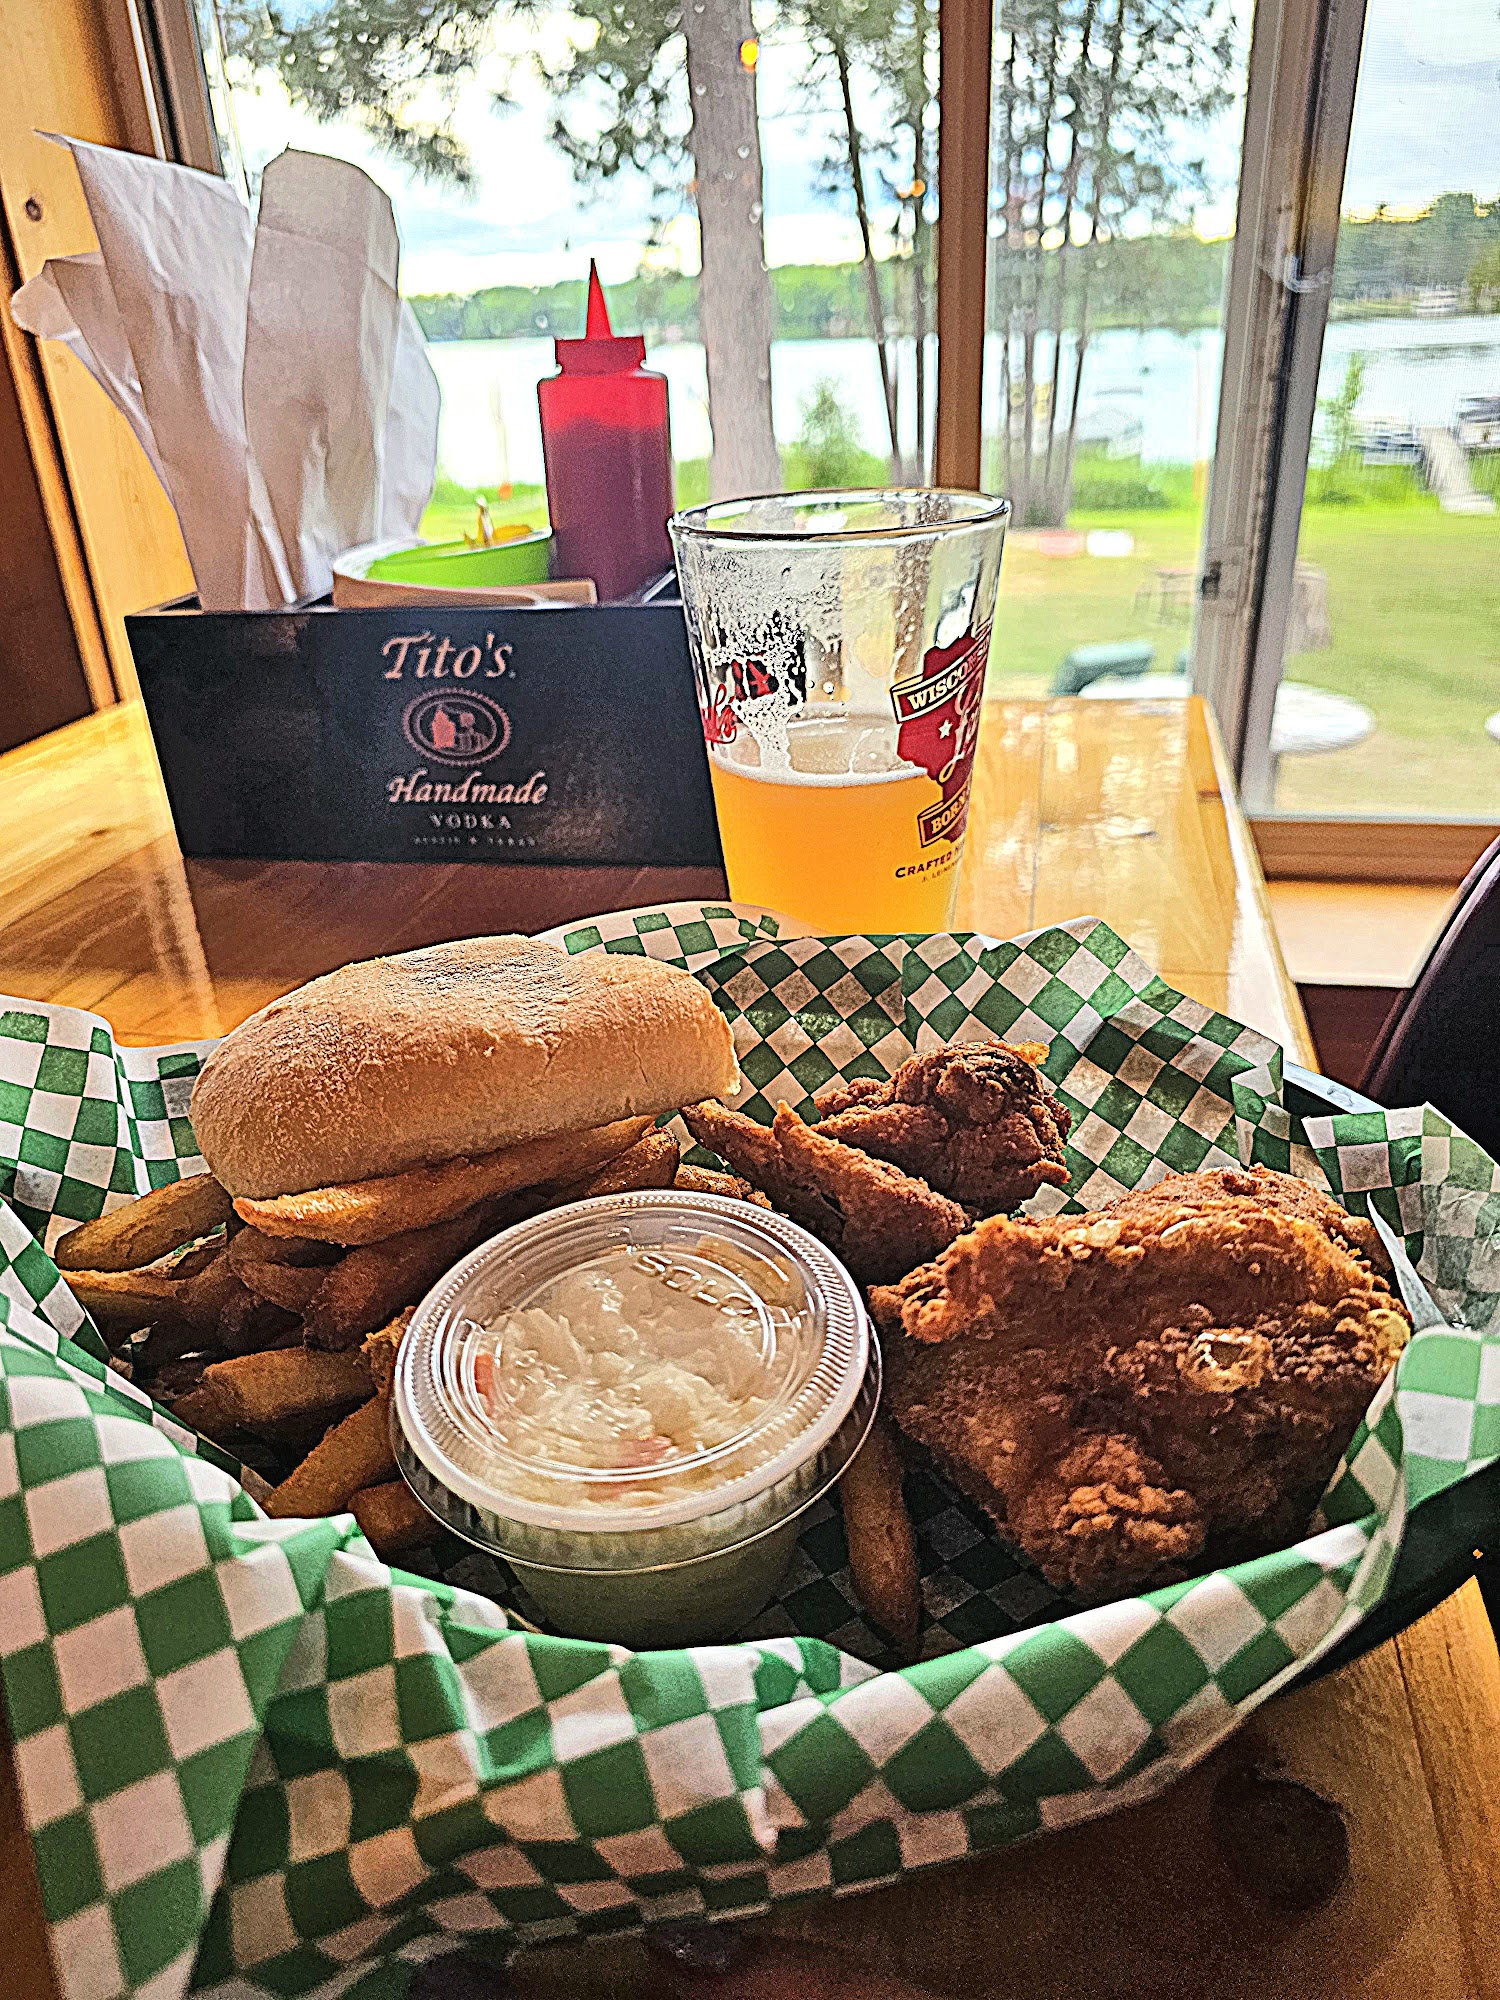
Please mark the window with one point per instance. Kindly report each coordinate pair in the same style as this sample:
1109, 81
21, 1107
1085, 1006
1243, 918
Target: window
759, 188
1392, 660
1115, 140
1223, 334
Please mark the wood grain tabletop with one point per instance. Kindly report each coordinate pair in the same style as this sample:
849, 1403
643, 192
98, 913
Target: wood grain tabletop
1347, 1841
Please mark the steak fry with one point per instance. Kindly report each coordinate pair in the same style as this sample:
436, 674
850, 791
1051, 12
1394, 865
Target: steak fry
371, 1284
151, 1226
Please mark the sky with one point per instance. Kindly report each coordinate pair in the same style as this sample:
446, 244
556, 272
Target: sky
1427, 119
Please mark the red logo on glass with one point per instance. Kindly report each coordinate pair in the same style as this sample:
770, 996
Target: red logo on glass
744, 680
938, 710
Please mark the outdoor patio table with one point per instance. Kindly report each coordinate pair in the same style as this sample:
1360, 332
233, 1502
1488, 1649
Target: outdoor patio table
1306, 719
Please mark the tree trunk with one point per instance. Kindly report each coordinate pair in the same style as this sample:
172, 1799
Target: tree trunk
735, 307
1028, 410
1096, 210
1041, 285
919, 336
1029, 271
1004, 257
872, 275
921, 240
1057, 497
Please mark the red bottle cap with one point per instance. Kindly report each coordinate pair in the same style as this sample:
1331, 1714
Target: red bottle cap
601, 351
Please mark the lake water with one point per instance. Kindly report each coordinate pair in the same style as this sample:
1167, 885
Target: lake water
1156, 392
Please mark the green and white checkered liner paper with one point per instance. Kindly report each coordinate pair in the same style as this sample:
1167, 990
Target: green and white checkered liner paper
255, 1761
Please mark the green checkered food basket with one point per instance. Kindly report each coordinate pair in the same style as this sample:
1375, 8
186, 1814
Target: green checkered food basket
255, 1761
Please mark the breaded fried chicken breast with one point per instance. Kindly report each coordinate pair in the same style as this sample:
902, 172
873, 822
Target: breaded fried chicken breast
978, 1121
1151, 1388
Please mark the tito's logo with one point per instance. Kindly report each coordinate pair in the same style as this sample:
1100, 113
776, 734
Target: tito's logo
456, 728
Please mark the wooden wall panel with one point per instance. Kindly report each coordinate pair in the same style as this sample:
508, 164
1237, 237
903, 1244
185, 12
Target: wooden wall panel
42, 678
117, 539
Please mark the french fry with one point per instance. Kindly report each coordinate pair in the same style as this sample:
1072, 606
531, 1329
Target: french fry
354, 1454
147, 1228
882, 1547
206, 1295
290, 1281
364, 1212
189, 1263
237, 1315
202, 1410
650, 1163
705, 1180
122, 1302
371, 1284
392, 1518
258, 1391
176, 1378
381, 1347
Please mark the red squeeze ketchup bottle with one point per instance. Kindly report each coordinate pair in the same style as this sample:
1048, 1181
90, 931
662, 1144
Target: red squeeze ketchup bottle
608, 453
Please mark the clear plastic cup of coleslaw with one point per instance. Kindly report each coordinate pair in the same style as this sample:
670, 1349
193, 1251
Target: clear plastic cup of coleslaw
633, 1400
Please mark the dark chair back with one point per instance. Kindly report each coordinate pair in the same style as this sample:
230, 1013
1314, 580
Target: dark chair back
1441, 1044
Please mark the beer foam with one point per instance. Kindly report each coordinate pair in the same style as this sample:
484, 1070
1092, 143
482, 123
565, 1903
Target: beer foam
827, 747
832, 619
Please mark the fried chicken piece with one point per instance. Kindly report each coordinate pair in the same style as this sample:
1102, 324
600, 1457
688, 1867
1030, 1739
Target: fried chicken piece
750, 1151
1156, 1387
1096, 1513
1082, 1283
1221, 1188
978, 1121
879, 1220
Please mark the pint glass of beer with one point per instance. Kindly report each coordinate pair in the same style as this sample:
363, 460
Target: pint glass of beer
840, 643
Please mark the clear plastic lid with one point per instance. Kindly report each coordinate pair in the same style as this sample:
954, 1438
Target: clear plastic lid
635, 1362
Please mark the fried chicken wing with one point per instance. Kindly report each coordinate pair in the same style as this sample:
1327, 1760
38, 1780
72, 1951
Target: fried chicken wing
1151, 1388
878, 1219
978, 1121
749, 1149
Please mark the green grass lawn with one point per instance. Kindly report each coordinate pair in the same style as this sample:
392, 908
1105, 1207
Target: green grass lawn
1414, 605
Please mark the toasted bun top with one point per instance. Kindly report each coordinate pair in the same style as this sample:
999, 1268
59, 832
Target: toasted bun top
453, 1051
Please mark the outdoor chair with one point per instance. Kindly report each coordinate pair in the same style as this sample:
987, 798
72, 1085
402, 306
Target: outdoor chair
1089, 663
1441, 1042
1441, 1045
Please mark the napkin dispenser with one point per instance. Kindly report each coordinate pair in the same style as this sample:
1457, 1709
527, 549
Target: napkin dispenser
414, 733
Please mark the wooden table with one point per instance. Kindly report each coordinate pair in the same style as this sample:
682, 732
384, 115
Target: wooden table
1080, 807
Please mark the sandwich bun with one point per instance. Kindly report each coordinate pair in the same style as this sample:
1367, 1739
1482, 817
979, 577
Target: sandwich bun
451, 1052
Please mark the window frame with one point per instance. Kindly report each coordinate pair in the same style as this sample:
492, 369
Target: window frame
1302, 74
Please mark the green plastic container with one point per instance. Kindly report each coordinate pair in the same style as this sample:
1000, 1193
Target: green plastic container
455, 566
